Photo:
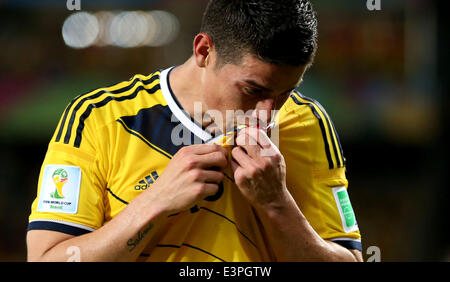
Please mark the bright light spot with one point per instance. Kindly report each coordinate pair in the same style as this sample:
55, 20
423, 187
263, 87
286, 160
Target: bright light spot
166, 28
125, 29
154, 29
104, 22
80, 30
128, 29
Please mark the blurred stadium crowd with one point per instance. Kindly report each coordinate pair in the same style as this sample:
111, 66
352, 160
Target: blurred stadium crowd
381, 75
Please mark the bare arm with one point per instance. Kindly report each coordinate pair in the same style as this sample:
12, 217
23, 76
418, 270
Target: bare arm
186, 180
122, 239
260, 174
293, 238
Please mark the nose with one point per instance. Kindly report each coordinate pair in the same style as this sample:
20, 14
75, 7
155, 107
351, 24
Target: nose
265, 105
264, 109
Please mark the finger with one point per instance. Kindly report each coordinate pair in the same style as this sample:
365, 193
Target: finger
249, 143
241, 158
214, 159
209, 190
241, 178
234, 165
207, 176
202, 149
267, 147
260, 136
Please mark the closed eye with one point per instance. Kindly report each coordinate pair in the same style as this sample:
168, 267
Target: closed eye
253, 91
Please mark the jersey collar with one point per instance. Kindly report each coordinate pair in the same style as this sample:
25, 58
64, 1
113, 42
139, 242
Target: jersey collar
178, 111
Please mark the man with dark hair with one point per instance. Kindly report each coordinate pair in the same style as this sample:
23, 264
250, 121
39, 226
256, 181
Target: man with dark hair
117, 183
279, 32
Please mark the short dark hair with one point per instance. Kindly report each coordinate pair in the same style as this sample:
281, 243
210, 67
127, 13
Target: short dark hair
277, 31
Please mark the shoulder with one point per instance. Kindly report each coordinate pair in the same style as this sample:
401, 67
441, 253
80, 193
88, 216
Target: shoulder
304, 123
102, 106
300, 106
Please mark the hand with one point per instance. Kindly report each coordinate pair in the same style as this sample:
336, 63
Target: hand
190, 176
259, 169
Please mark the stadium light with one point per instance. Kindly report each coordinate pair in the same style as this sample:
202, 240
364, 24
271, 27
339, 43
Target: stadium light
124, 29
80, 30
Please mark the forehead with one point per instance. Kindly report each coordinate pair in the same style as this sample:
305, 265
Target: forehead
264, 73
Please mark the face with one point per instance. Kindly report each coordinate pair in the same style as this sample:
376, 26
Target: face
252, 84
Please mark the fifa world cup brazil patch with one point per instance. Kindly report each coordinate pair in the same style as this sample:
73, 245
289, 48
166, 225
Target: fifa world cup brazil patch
60, 189
345, 209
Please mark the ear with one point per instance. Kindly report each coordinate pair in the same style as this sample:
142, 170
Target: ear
203, 47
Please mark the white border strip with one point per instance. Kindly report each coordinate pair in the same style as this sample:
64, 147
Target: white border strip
186, 121
345, 239
64, 222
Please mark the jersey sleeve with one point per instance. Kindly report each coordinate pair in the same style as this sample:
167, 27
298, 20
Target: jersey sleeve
315, 168
70, 192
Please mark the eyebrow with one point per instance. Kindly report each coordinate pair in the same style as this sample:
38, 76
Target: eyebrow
255, 84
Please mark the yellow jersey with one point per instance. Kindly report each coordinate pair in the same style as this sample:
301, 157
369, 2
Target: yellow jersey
111, 144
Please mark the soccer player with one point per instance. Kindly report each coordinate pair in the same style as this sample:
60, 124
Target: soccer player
117, 184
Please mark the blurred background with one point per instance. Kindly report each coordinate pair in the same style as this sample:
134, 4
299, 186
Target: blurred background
381, 75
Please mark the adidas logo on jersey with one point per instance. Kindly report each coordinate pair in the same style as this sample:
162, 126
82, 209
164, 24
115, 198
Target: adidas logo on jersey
147, 181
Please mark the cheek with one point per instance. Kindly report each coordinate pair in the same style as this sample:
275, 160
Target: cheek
214, 97
222, 96
234, 100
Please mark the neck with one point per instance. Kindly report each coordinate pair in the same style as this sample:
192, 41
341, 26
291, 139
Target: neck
186, 84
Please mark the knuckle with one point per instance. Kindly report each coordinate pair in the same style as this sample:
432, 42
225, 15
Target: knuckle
253, 171
200, 189
240, 140
235, 150
266, 164
278, 157
191, 163
195, 175
239, 178
184, 150
223, 150
220, 176
216, 147
221, 157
